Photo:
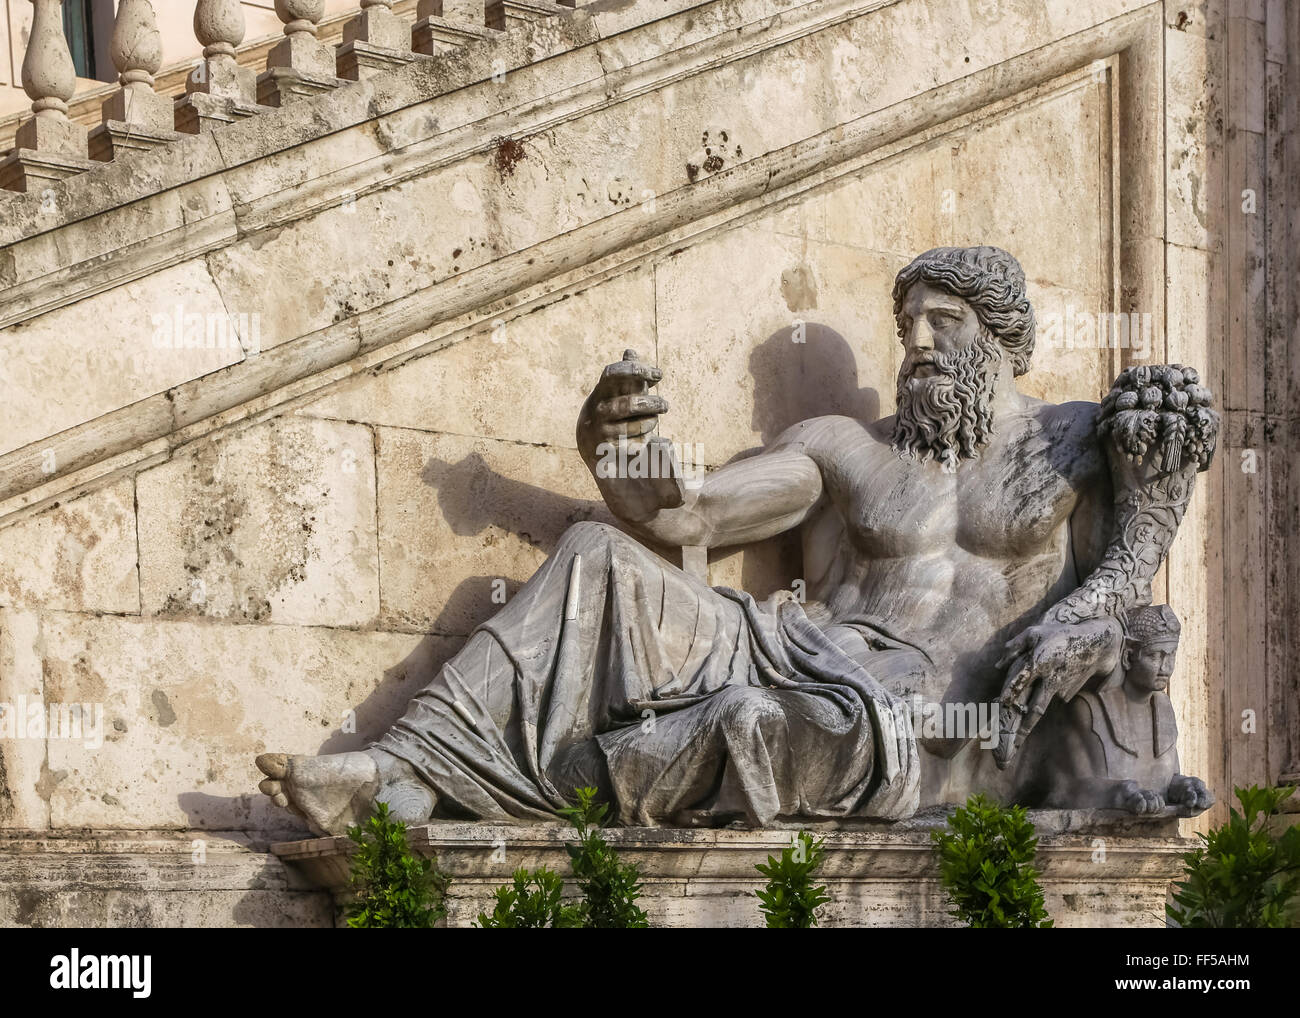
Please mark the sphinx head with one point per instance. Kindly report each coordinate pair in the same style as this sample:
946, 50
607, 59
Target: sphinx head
961, 312
1150, 648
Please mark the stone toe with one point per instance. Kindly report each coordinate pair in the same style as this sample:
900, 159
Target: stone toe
273, 765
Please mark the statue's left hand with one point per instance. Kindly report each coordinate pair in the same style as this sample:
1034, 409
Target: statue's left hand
1049, 660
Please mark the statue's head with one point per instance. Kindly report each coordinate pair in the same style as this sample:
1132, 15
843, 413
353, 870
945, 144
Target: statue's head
1150, 648
961, 312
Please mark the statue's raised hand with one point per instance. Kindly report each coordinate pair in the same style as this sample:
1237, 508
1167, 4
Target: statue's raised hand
616, 430
621, 405
1046, 661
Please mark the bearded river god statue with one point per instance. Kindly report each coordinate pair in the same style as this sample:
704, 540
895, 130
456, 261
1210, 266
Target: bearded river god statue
979, 547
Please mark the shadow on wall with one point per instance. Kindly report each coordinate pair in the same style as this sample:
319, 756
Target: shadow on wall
799, 372
795, 380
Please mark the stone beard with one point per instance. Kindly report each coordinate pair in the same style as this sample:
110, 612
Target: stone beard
948, 414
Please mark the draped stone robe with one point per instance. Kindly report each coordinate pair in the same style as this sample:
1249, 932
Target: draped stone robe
610, 667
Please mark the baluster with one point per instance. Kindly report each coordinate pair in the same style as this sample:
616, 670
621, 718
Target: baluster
49, 147
300, 65
218, 91
375, 41
135, 116
443, 25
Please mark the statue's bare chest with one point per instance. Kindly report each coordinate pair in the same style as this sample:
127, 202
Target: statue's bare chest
1010, 503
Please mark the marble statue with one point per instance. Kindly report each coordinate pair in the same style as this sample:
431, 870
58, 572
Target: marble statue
977, 546
1115, 746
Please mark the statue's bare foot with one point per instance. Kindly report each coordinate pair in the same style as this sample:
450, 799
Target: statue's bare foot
335, 791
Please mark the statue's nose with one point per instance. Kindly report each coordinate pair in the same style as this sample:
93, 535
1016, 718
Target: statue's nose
922, 335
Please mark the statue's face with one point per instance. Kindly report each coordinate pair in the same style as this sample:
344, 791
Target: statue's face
1150, 665
946, 380
935, 322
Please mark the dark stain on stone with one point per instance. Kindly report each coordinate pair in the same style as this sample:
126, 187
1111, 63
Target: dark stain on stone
27, 907
713, 164
507, 154
263, 237
166, 715
799, 288
48, 781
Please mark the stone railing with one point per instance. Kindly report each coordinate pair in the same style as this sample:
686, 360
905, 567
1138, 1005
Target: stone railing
53, 145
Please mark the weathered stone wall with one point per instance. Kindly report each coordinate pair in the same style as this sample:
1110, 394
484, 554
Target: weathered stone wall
268, 544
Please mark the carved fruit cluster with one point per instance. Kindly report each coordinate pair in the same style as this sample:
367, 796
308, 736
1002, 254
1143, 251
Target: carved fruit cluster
1163, 408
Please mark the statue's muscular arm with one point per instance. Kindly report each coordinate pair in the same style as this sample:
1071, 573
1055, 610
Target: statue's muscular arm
1156, 430
748, 500
1051, 658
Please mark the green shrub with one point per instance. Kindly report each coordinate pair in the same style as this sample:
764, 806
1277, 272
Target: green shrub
609, 888
1243, 875
985, 864
395, 888
790, 901
531, 901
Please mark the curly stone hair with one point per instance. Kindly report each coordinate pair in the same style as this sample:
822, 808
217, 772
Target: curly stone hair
987, 278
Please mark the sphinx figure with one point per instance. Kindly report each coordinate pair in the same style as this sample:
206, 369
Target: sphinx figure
1114, 746
977, 546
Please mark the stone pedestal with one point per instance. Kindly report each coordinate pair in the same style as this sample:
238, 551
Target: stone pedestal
443, 25
46, 150
133, 121
299, 65
1095, 872
438, 35
375, 41
200, 112
359, 60
504, 15
279, 86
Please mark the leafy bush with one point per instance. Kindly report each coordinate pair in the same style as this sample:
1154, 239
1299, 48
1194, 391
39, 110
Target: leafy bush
1243, 876
396, 888
790, 901
985, 864
531, 901
609, 888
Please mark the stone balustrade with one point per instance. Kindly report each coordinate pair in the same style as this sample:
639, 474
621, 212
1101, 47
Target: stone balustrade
51, 146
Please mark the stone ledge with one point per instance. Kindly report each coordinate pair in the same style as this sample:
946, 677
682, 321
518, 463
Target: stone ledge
1098, 868
151, 879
